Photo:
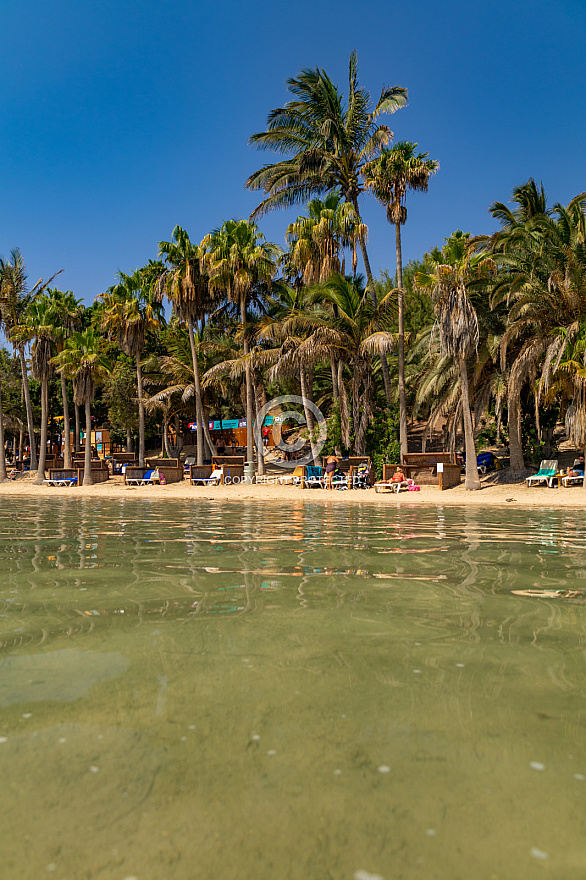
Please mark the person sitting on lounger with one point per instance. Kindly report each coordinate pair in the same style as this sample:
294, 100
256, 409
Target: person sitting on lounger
578, 469
398, 476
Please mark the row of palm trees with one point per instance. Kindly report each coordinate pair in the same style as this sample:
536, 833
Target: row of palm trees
508, 310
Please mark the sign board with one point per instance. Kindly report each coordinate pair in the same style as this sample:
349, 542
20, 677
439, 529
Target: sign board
440, 467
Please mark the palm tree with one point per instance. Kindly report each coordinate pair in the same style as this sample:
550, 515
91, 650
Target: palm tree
457, 322
38, 324
543, 281
15, 298
389, 177
327, 144
516, 246
83, 360
131, 310
187, 286
238, 259
67, 313
316, 241
3, 475
347, 329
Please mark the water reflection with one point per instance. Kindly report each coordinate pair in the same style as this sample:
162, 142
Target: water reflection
135, 559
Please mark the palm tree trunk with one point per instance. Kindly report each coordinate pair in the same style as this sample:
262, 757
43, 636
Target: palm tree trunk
344, 413
166, 444
249, 401
44, 420
472, 479
206, 431
307, 411
334, 367
370, 279
141, 445
517, 461
87, 466
66, 425
129, 439
400, 303
21, 443
336, 398
198, 396
3, 475
260, 460
29, 409
77, 429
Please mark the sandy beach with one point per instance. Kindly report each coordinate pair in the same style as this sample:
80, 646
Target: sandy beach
491, 494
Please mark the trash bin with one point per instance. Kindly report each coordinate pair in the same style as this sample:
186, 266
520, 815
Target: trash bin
248, 473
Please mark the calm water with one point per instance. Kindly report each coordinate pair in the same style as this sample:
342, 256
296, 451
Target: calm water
203, 690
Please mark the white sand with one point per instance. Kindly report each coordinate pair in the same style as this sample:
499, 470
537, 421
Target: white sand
513, 494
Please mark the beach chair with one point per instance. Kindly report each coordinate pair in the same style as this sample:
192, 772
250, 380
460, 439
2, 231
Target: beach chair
313, 478
148, 478
295, 478
205, 476
573, 480
64, 477
546, 474
189, 461
393, 486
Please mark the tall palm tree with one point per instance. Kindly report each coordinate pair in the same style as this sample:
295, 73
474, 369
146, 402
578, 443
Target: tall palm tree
389, 177
38, 325
67, 311
457, 322
15, 298
3, 475
238, 258
131, 310
187, 286
84, 360
327, 144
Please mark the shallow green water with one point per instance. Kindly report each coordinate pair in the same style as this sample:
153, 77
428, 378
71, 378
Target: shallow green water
205, 690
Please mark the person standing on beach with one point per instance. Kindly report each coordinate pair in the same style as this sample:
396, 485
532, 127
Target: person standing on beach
331, 462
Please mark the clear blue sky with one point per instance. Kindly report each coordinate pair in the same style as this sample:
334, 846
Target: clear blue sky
122, 118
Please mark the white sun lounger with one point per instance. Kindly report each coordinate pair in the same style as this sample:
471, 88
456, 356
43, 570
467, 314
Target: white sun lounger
148, 479
392, 486
214, 478
573, 480
546, 474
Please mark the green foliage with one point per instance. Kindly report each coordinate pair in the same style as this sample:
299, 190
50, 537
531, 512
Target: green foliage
382, 440
418, 306
334, 431
120, 396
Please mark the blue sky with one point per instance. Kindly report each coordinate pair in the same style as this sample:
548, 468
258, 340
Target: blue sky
121, 119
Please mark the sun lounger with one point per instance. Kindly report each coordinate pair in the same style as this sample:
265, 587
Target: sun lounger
295, 478
313, 477
546, 474
393, 486
71, 481
571, 479
205, 476
63, 477
147, 479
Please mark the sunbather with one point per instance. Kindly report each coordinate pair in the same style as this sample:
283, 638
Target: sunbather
398, 476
